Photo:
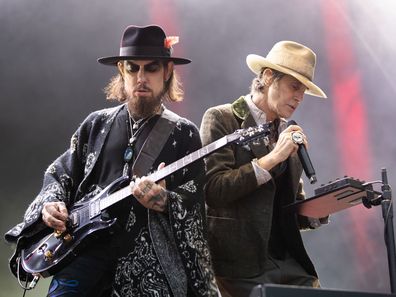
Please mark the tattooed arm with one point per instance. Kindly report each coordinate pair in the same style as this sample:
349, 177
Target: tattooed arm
150, 194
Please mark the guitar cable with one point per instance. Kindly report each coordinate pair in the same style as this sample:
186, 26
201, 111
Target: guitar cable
26, 287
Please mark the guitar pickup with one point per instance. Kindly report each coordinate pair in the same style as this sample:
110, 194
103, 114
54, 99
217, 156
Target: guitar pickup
94, 208
73, 220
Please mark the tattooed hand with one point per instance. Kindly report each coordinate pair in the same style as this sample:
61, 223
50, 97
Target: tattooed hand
150, 194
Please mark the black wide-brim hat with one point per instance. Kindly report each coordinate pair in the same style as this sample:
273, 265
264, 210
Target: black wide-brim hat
145, 43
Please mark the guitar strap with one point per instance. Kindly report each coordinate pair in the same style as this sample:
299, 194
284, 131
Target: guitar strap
154, 143
160, 231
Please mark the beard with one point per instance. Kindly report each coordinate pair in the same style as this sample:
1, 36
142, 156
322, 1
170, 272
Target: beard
142, 107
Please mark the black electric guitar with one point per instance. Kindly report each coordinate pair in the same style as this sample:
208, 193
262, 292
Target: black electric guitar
47, 253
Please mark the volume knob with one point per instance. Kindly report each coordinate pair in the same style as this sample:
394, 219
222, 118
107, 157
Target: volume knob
48, 255
67, 237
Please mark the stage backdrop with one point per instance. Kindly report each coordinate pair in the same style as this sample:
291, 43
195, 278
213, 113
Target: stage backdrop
50, 80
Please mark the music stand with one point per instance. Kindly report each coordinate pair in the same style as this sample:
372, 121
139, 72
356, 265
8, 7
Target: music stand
338, 195
347, 192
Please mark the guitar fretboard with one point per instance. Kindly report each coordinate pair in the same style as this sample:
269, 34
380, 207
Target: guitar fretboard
240, 136
115, 197
166, 171
187, 160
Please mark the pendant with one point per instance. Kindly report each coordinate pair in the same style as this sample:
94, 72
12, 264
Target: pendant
128, 154
125, 171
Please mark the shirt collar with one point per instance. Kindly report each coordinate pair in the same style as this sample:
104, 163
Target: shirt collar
259, 116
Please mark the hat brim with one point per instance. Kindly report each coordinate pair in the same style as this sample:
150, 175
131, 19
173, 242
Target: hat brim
256, 63
112, 61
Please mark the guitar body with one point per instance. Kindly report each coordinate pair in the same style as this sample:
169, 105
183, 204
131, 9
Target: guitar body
46, 255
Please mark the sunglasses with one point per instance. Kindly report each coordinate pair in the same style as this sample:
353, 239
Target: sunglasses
150, 67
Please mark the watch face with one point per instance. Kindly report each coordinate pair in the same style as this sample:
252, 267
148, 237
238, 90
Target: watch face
297, 137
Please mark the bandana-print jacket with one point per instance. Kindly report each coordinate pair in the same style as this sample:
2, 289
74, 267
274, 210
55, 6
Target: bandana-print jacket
67, 180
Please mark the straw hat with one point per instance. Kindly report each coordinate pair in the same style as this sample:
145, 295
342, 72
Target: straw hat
291, 58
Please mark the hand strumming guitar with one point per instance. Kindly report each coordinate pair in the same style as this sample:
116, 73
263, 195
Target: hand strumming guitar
55, 215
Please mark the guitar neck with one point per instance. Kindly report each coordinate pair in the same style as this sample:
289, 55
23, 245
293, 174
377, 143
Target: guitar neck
187, 160
168, 170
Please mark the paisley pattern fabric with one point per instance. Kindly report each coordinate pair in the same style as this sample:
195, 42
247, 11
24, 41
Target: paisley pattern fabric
67, 179
140, 273
188, 224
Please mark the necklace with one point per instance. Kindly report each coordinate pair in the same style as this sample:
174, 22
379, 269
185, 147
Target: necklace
133, 131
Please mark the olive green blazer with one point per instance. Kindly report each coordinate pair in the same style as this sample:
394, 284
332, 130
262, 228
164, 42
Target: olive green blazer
239, 211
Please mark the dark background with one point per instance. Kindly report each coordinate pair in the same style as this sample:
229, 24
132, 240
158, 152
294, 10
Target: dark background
50, 80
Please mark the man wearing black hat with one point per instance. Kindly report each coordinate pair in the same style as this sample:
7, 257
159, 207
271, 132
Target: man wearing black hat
158, 246
252, 240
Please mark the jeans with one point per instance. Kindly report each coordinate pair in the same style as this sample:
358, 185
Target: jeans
89, 274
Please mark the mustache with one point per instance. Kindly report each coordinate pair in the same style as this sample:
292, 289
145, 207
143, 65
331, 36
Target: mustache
142, 88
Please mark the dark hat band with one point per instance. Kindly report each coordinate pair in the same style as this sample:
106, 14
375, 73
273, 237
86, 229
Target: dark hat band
145, 51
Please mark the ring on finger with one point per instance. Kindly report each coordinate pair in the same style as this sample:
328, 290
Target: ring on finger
297, 137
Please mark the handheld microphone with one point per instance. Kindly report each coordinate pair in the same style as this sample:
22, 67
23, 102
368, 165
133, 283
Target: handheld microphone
304, 158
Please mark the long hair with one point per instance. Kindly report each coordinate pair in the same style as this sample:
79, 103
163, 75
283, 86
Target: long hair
173, 91
257, 86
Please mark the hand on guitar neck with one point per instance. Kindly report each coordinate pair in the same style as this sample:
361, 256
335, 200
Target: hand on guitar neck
150, 194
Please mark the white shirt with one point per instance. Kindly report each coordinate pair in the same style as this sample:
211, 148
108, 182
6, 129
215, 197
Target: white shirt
262, 175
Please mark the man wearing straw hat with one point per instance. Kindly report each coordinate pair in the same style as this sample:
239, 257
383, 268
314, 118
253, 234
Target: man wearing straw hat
251, 240
158, 247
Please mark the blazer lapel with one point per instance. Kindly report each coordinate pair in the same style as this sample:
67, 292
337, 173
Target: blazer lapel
241, 111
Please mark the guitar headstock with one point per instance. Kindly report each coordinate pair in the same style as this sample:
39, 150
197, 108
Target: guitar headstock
245, 136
